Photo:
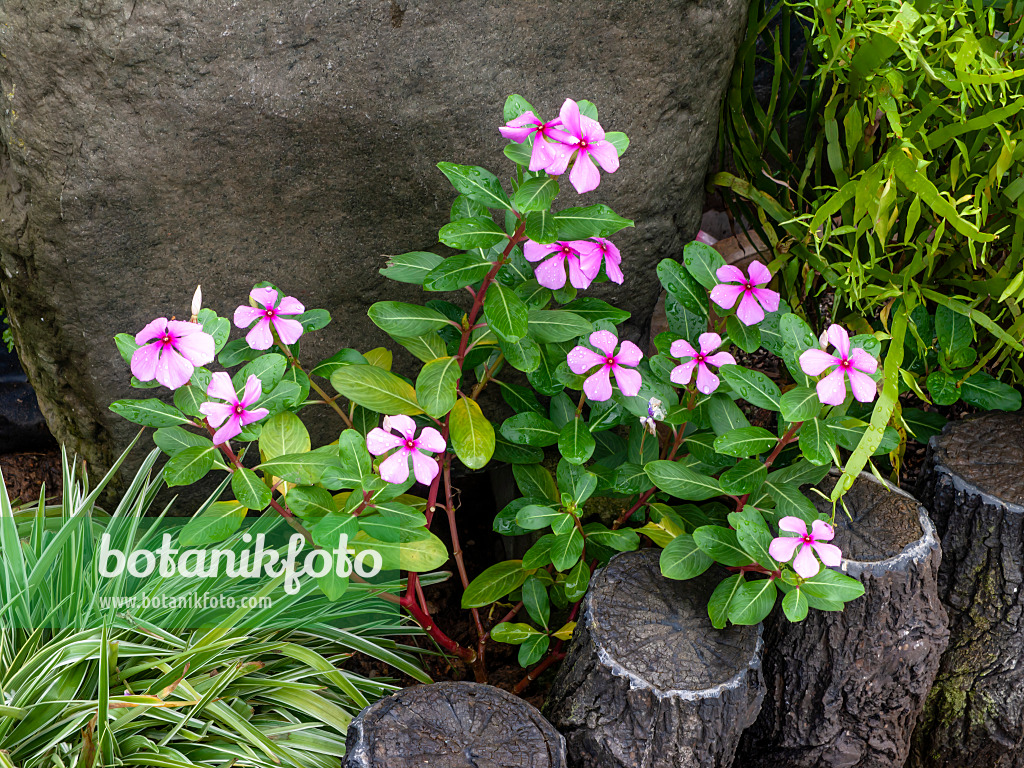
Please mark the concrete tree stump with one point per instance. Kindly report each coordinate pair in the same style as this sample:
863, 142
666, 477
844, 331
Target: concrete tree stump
974, 484
453, 725
647, 681
846, 688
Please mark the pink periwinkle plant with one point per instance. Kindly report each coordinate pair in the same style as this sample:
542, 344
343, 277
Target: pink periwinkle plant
598, 385
395, 468
578, 256
754, 300
691, 359
170, 352
808, 543
235, 412
854, 364
269, 313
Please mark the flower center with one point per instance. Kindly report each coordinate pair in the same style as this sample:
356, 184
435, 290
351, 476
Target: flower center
410, 444
270, 312
807, 539
700, 357
239, 409
610, 360
166, 339
844, 364
567, 251
583, 143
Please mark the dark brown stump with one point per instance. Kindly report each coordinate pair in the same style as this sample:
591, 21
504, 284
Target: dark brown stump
974, 484
452, 725
846, 688
648, 682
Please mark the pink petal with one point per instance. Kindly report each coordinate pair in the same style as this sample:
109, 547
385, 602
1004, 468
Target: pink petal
832, 389
579, 277
536, 251
248, 417
793, 524
590, 130
629, 381
379, 442
424, 468
629, 354
840, 339
288, 331
749, 312
264, 296
814, 361
173, 370
611, 268
863, 386
395, 468
561, 155
581, 360
862, 360
570, 117
216, 413
590, 262
709, 342
260, 337
431, 440
681, 348
727, 273
520, 129
222, 388
551, 274
527, 118
584, 175
403, 424
719, 359
681, 373
707, 382
290, 306
766, 298
246, 316
822, 531
805, 563
229, 430
542, 155
783, 548
144, 360
196, 345
605, 154
253, 391
153, 330
599, 386
604, 341
759, 274
725, 295
830, 554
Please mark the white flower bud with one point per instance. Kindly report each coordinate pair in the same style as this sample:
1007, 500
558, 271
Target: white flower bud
197, 303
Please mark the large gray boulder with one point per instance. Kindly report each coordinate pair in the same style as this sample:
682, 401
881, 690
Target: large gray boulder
148, 147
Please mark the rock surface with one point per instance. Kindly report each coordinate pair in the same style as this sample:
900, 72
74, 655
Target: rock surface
148, 147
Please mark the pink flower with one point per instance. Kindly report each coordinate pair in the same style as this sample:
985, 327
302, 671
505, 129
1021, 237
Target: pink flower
598, 387
805, 564
528, 124
395, 468
270, 312
855, 363
583, 263
734, 284
599, 248
235, 413
707, 382
173, 351
584, 137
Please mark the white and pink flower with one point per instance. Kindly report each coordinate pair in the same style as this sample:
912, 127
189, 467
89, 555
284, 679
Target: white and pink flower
598, 386
395, 468
808, 543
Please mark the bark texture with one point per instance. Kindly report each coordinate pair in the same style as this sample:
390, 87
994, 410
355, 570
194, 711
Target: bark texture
845, 689
648, 682
453, 725
974, 485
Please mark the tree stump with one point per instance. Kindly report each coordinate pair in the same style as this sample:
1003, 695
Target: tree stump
846, 688
647, 681
453, 725
973, 482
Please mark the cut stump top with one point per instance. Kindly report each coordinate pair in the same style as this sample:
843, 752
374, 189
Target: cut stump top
987, 452
657, 630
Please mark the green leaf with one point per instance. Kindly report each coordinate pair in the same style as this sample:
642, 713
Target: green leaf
534, 480
619, 140
744, 477
746, 337
218, 327
832, 585
577, 581
149, 413
721, 600
531, 651
189, 465
476, 232
591, 221
269, 368
250, 491
953, 331
817, 441
540, 226
464, 208
721, 545
796, 333
551, 326
942, 387
592, 310
437, 386
745, 441
575, 442
753, 601
396, 318
328, 532
494, 583
427, 347
457, 272
311, 320
790, 500
536, 194
523, 355
515, 454
188, 398
376, 389
215, 523
307, 468
312, 503
173, 440
800, 404
519, 398
794, 605
724, 414
754, 537
566, 549
533, 517
281, 434
477, 184
922, 424
682, 482
515, 105
341, 358
575, 481
471, 433
530, 428
983, 390
410, 267
687, 291
683, 559
513, 634
505, 313
702, 262
753, 386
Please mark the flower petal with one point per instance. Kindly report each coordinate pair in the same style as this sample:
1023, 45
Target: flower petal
561, 155
719, 359
830, 554
246, 316
681, 373
832, 389
222, 388
173, 370
581, 359
822, 531
403, 424
260, 337
759, 274
629, 354
605, 154
542, 155
749, 312
709, 342
863, 360
153, 330
580, 277
431, 440
629, 381
230, 429
767, 298
253, 391
288, 331
840, 339
604, 341
395, 468
598, 387
248, 417
682, 348
194, 344
725, 295
612, 269
216, 413
290, 306
144, 360
590, 130
551, 274
584, 174
863, 386
424, 468
379, 442
815, 361
783, 548
707, 382
266, 297
793, 524
536, 251
805, 563
569, 114
727, 273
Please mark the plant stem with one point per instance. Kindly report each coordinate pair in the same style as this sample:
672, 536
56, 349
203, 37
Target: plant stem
316, 387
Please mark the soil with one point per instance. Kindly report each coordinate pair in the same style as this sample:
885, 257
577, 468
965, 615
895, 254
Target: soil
25, 473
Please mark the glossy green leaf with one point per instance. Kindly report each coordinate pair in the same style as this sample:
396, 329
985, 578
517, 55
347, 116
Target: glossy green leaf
397, 318
800, 404
530, 428
249, 489
505, 313
683, 559
149, 413
215, 523
746, 337
794, 605
702, 262
575, 442
523, 355
982, 390
721, 600
682, 482
817, 441
410, 267
753, 386
721, 545
472, 435
437, 386
566, 549
457, 272
745, 441
477, 184
534, 480
189, 466
744, 477
590, 221
550, 326
376, 389
753, 601
494, 583
678, 282
535, 194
